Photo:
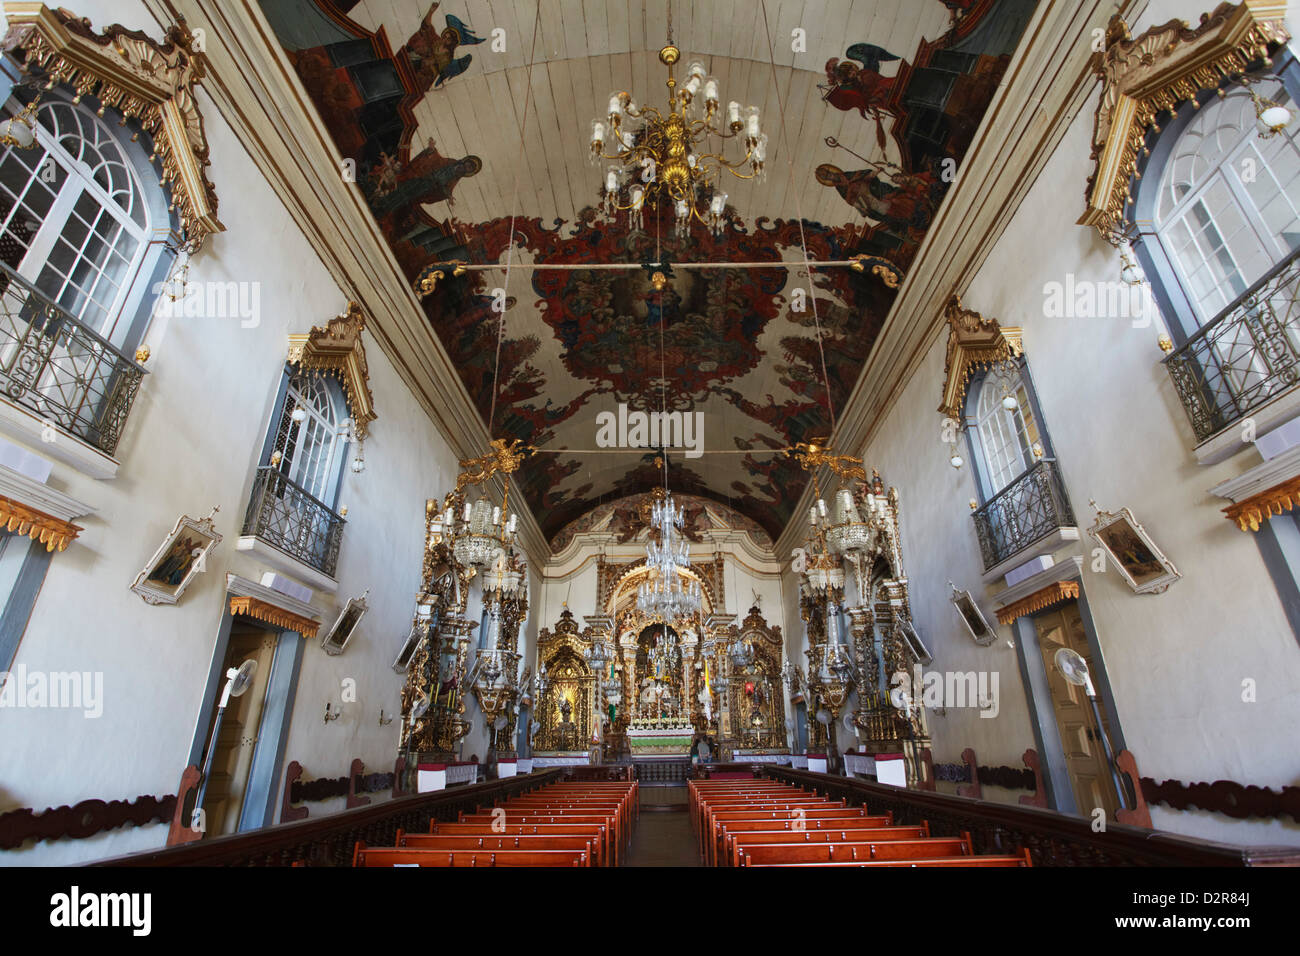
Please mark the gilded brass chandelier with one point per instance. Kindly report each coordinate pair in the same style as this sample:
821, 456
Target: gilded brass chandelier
666, 159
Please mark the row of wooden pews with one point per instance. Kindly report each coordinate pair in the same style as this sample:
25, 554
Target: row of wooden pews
769, 823
564, 824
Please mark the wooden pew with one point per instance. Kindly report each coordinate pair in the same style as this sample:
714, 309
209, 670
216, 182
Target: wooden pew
393, 856
786, 806
1020, 859
928, 848
613, 848
613, 812
497, 841
720, 821
733, 843
597, 833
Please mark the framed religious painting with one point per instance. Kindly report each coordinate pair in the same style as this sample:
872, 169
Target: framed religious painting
914, 643
1141, 564
182, 555
972, 617
412, 643
337, 637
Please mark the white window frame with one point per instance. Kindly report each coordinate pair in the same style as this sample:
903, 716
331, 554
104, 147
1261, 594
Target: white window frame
1226, 170
120, 315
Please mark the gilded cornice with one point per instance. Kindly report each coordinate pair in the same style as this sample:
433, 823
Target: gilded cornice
144, 80
337, 350
1054, 593
1163, 68
262, 611
974, 342
1251, 512
50, 531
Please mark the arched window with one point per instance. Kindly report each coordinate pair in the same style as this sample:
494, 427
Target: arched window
312, 435
77, 222
1228, 204
1008, 435
296, 489
1022, 498
1005, 435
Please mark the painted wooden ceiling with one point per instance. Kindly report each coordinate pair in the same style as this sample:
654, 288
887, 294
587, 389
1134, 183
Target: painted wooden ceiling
468, 122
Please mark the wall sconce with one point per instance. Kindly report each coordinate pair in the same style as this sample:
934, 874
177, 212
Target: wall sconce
1273, 116
20, 130
359, 462
1130, 272
299, 414
384, 721
332, 714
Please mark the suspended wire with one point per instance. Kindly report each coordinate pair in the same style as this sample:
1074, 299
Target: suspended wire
803, 239
514, 207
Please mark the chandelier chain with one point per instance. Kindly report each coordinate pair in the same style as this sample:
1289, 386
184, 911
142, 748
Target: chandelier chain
803, 239
514, 206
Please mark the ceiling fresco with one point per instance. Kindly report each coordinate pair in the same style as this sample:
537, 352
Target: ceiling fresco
465, 152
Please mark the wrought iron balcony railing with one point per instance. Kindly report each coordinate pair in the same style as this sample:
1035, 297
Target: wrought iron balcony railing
1248, 354
1028, 509
61, 370
289, 518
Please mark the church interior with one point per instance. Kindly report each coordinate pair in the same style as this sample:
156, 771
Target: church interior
691, 433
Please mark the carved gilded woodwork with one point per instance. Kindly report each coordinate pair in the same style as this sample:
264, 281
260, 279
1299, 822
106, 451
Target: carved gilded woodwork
262, 611
974, 343
145, 80
1054, 593
337, 349
1163, 68
1252, 512
54, 533
505, 456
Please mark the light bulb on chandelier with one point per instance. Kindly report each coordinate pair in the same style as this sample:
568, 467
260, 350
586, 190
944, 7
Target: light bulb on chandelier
669, 152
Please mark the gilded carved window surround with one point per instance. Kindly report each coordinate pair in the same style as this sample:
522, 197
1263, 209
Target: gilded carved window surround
974, 342
337, 350
1163, 68
262, 611
1252, 512
143, 79
1055, 593
54, 533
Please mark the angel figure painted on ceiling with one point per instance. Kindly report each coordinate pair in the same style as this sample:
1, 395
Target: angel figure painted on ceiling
432, 52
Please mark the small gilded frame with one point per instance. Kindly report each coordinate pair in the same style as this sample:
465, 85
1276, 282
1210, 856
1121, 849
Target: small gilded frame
182, 555
345, 625
972, 617
1131, 551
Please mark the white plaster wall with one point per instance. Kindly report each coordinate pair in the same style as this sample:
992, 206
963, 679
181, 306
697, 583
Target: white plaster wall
192, 442
1176, 661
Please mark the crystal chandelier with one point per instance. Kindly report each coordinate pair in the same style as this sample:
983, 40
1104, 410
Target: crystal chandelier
482, 536
666, 158
663, 593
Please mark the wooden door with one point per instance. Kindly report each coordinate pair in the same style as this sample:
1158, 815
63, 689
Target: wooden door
233, 754
1085, 755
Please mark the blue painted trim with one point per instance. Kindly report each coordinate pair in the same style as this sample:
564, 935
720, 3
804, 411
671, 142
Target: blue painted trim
211, 686
1047, 734
1100, 677
260, 794
1279, 544
22, 599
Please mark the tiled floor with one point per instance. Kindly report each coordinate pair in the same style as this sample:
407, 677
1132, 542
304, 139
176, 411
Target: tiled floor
663, 835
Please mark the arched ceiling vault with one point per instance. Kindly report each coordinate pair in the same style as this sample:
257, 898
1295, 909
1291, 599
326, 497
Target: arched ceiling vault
465, 151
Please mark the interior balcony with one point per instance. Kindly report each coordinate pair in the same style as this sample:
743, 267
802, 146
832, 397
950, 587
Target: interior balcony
1028, 518
292, 530
1245, 363
61, 378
